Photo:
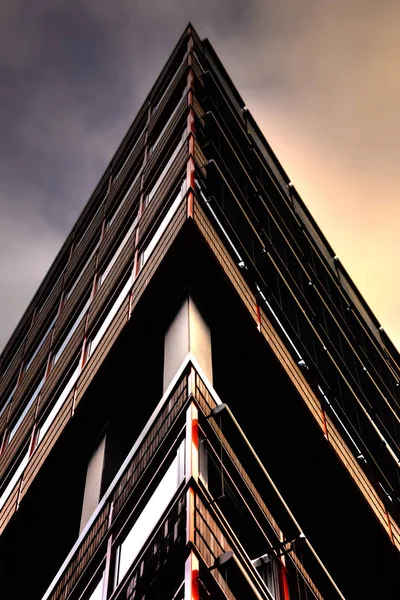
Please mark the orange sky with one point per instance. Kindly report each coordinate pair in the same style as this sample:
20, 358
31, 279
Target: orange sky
325, 91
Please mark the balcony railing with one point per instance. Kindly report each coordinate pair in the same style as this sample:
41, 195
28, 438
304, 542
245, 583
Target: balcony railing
149, 443
211, 533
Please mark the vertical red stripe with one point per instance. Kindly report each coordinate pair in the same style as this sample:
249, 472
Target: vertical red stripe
285, 586
192, 577
190, 203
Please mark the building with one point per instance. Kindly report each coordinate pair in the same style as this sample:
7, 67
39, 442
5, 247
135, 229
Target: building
198, 403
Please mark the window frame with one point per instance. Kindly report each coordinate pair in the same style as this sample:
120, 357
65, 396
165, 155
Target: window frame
49, 327
10, 393
23, 410
177, 452
155, 185
112, 257
119, 205
47, 418
129, 152
155, 143
14, 474
152, 240
76, 319
104, 321
82, 269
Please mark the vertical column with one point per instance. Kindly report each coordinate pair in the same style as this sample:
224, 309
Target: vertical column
188, 333
107, 571
94, 473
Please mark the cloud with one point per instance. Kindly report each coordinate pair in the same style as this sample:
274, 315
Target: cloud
321, 78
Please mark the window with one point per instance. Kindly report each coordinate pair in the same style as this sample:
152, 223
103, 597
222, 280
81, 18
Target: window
44, 427
80, 313
138, 136
150, 515
208, 204
9, 362
160, 135
9, 397
16, 472
162, 227
167, 87
97, 592
268, 569
226, 485
81, 236
155, 187
82, 270
53, 280
28, 405
112, 217
48, 296
113, 259
6, 364
94, 342
42, 341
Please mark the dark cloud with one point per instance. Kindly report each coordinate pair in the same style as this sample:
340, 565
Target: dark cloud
320, 77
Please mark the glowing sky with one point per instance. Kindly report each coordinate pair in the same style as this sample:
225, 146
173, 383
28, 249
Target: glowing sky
320, 77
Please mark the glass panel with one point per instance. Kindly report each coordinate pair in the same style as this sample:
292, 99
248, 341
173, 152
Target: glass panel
207, 203
10, 360
40, 344
164, 223
165, 169
26, 409
167, 87
71, 331
267, 567
130, 153
9, 397
81, 272
54, 411
6, 364
97, 593
151, 514
226, 84
160, 135
95, 341
17, 474
122, 202
267, 156
82, 236
118, 252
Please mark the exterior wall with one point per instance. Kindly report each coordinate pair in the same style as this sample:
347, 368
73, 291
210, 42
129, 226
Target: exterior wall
189, 529
188, 333
91, 495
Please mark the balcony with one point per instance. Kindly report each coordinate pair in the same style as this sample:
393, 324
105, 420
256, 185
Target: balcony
149, 521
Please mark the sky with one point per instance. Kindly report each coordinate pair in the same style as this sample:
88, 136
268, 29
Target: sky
321, 78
